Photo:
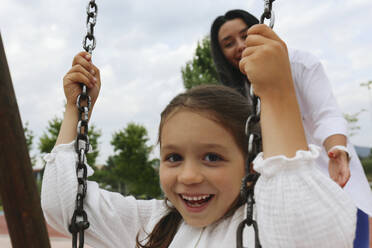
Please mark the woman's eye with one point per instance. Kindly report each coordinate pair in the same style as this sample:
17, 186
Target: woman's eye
173, 158
229, 44
212, 157
244, 36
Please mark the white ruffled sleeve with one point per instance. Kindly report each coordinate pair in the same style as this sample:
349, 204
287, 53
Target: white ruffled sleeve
114, 220
298, 206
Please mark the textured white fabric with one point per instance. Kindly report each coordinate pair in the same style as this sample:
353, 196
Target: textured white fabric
297, 206
322, 117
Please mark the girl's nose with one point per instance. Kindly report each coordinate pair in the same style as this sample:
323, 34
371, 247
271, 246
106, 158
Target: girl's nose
190, 174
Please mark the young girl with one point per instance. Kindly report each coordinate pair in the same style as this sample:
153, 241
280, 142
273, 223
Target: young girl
322, 119
203, 148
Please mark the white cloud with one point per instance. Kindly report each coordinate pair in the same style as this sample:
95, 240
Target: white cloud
142, 45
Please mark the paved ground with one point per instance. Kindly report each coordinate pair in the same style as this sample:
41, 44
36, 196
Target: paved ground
55, 242
58, 240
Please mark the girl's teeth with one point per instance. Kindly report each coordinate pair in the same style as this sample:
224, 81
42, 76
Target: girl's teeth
195, 198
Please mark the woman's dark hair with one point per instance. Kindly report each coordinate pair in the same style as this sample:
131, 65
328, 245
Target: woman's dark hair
223, 105
228, 74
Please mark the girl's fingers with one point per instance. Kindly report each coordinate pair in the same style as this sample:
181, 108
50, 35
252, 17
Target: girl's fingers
257, 40
89, 74
77, 77
263, 30
95, 72
83, 61
82, 55
248, 51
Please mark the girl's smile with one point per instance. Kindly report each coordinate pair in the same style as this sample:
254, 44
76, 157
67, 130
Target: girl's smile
201, 166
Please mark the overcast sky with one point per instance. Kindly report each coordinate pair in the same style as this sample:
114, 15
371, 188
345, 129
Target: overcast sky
142, 46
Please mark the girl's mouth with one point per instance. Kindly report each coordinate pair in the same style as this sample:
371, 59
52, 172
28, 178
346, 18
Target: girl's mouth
196, 203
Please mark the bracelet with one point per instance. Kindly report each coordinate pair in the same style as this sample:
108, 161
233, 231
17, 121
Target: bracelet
341, 148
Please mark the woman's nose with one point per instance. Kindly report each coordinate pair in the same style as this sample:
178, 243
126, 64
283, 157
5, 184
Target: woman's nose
241, 45
190, 174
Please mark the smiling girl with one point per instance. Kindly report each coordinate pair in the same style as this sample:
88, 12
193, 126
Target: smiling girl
203, 150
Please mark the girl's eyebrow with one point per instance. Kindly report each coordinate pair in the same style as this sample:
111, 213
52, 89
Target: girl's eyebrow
201, 145
169, 147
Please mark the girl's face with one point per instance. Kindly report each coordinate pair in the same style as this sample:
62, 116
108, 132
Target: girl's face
231, 38
201, 166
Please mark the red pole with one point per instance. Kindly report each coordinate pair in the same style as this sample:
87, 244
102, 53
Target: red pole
18, 189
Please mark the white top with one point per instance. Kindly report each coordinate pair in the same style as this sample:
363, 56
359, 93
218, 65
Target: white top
296, 206
322, 117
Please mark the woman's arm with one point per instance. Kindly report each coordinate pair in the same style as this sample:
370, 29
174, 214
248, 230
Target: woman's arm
326, 124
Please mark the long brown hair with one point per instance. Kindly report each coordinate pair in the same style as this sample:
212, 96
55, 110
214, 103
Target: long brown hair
225, 106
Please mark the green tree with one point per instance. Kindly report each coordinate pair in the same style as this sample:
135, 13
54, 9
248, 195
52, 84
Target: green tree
201, 69
352, 120
49, 138
29, 135
367, 84
130, 170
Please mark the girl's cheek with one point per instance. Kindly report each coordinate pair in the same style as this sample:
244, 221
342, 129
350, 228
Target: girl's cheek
165, 179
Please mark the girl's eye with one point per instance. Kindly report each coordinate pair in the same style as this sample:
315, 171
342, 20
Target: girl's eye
212, 157
244, 36
173, 158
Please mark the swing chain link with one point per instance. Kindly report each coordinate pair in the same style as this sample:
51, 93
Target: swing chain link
254, 147
91, 22
79, 220
251, 177
268, 13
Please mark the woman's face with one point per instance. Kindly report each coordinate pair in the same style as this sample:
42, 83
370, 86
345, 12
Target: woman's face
201, 167
231, 38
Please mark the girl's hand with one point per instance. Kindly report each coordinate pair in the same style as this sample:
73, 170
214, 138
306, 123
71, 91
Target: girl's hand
338, 167
82, 71
265, 62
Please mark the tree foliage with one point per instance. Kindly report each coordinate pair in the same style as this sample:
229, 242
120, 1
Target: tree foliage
130, 170
201, 69
49, 138
352, 121
29, 135
368, 85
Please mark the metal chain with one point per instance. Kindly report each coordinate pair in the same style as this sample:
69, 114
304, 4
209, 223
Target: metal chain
79, 220
254, 147
268, 13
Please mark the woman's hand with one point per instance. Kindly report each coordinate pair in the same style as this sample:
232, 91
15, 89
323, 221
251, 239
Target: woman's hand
338, 167
85, 72
265, 62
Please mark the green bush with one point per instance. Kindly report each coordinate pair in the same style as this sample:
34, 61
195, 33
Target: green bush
367, 165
